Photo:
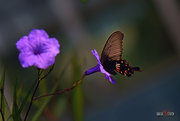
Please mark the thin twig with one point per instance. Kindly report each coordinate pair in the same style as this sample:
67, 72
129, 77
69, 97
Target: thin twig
51, 94
47, 73
63, 90
2, 115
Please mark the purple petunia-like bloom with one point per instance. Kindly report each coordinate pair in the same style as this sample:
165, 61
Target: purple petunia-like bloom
37, 49
99, 68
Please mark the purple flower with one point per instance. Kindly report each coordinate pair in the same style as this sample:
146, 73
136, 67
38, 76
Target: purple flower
37, 49
99, 68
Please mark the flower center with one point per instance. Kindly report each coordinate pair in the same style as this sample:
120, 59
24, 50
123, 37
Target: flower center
39, 49
36, 52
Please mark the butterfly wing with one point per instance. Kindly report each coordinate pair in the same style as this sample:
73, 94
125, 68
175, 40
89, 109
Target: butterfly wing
113, 47
112, 51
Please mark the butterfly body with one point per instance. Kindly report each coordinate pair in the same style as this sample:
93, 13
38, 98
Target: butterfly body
111, 56
125, 69
120, 66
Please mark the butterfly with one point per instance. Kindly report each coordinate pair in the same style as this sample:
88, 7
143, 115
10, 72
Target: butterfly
111, 56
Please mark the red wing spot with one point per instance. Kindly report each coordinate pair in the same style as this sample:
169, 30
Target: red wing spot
121, 61
125, 71
118, 69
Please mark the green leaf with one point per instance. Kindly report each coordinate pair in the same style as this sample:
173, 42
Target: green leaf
7, 111
19, 93
78, 104
43, 86
77, 97
15, 113
61, 104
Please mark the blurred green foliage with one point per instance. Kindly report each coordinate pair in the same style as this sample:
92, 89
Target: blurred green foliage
77, 98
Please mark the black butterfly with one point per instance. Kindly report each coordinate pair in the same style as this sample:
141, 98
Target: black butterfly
111, 56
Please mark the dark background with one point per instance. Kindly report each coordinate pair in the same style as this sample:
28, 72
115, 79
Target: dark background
152, 42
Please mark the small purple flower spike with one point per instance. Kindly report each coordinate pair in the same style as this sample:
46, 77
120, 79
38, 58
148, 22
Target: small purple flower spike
99, 68
37, 49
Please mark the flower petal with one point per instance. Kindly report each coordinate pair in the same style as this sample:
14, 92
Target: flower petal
26, 59
99, 67
38, 35
52, 46
110, 79
93, 70
43, 61
96, 55
23, 43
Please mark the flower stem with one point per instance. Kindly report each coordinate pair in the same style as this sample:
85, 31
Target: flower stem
35, 89
52, 67
63, 90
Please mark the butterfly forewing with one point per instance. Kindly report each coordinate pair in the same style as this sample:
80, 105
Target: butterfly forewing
113, 47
